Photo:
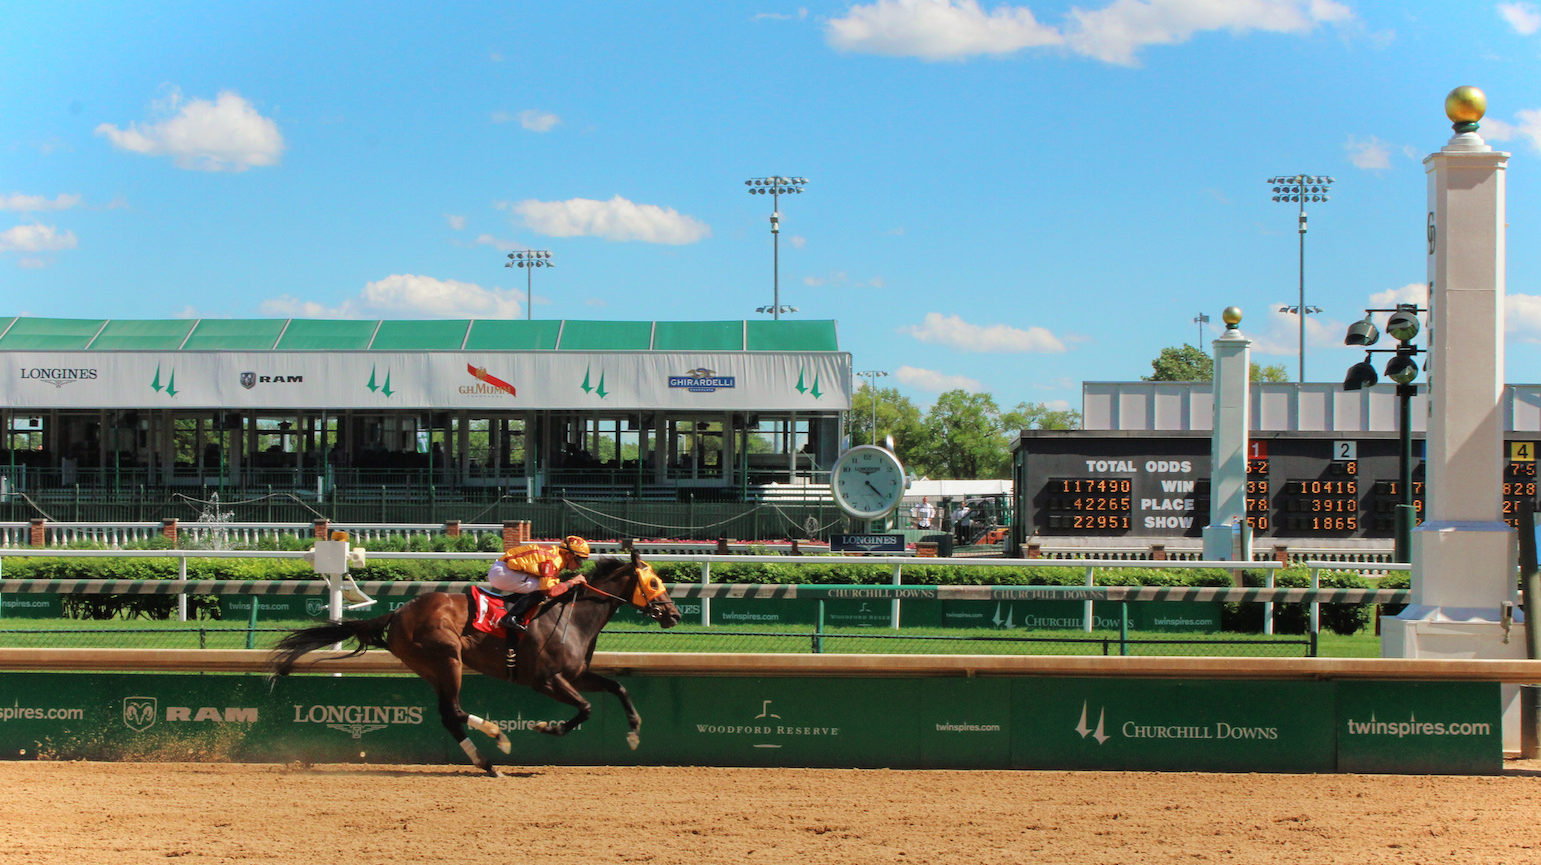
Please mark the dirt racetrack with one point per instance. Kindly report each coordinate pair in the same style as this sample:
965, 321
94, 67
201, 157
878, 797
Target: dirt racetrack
74, 812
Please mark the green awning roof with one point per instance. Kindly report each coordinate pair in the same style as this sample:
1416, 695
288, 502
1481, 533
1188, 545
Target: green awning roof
496, 334
235, 334
326, 335
698, 336
51, 334
299, 334
154, 335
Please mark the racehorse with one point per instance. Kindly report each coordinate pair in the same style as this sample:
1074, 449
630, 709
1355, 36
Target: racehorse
433, 636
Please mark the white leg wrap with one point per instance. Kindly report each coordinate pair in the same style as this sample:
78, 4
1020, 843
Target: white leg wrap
477, 722
470, 749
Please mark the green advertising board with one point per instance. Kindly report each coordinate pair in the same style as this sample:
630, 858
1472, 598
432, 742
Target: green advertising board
1453, 727
24, 605
899, 722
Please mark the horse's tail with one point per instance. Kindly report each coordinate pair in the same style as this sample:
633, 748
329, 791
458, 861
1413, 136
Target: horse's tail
367, 633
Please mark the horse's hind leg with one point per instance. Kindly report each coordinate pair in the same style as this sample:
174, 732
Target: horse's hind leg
444, 675
558, 688
595, 682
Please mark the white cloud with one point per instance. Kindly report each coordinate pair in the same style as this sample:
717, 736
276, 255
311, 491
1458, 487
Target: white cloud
37, 203
495, 242
36, 238
1117, 32
32, 263
1371, 154
802, 13
1527, 126
456, 222
227, 134
535, 121
410, 295
950, 330
1523, 17
1413, 292
616, 219
932, 381
1522, 316
538, 121
957, 29
937, 29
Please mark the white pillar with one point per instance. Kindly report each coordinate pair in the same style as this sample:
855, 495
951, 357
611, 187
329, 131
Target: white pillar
1228, 445
1464, 556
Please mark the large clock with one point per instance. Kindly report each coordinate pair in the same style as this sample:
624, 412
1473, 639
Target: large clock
868, 482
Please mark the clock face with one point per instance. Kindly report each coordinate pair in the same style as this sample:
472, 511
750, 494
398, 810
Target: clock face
868, 482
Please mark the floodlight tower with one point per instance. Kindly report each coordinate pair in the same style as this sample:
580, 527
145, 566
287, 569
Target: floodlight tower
529, 259
1298, 189
775, 187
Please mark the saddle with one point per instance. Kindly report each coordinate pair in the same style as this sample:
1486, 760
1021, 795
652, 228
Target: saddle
487, 610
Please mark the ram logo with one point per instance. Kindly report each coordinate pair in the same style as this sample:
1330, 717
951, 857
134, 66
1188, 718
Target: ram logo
139, 713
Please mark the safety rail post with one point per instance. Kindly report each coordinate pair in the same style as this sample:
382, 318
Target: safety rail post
1123, 627
1268, 609
706, 603
898, 577
1316, 607
818, 630
251, 623
1088, 615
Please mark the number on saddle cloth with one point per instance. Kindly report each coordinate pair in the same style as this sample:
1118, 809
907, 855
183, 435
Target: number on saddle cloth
489, 608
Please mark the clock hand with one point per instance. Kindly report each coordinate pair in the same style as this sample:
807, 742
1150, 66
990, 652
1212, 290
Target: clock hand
873, 488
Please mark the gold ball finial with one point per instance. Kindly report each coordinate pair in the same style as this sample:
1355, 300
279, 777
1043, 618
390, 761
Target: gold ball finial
1231, 316
1465, 106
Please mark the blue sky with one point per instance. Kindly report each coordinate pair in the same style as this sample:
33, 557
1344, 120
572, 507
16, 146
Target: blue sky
1005, 198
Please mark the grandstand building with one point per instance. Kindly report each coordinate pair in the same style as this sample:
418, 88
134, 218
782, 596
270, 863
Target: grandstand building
467, 409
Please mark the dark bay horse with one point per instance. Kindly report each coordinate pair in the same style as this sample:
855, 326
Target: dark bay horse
432, 635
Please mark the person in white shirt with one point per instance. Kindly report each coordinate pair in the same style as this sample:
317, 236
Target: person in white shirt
923, 513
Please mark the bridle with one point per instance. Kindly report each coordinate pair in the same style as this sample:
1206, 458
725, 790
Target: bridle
645, 584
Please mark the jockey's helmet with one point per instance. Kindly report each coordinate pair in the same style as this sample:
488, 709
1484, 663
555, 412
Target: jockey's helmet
578, 547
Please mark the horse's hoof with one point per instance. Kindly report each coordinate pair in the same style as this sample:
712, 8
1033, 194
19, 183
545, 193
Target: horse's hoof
541, 727
633, 740
492, 772
505, 745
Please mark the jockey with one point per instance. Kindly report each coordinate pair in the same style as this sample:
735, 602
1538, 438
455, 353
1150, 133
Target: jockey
531, 572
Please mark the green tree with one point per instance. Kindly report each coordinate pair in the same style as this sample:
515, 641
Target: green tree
1187, 363
1182, 363
968, 439
1273, 372
896, 416
1036, 415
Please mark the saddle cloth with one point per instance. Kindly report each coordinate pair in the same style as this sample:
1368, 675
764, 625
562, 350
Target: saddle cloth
487, 611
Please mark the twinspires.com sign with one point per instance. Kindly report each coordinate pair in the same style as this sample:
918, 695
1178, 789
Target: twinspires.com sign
983, 722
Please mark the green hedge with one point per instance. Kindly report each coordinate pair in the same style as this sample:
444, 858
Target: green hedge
834, 570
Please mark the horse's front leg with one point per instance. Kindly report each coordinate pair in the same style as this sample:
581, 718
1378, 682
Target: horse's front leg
595, 682
558, 688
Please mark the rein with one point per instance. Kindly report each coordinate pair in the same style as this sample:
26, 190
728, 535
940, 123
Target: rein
597, 591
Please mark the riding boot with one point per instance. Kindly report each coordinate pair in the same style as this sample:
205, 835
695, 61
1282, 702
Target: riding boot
513, 609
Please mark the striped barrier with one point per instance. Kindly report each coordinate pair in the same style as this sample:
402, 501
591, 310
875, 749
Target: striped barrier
679, 591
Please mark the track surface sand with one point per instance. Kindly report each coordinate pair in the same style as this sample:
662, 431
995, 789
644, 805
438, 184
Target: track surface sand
75, 812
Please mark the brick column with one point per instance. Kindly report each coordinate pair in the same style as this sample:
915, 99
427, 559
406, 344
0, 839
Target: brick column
1158, 552
323, 529
722, 545
452, 528
510, 534
1281, 554
1034, 551
38, 533
169, 530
